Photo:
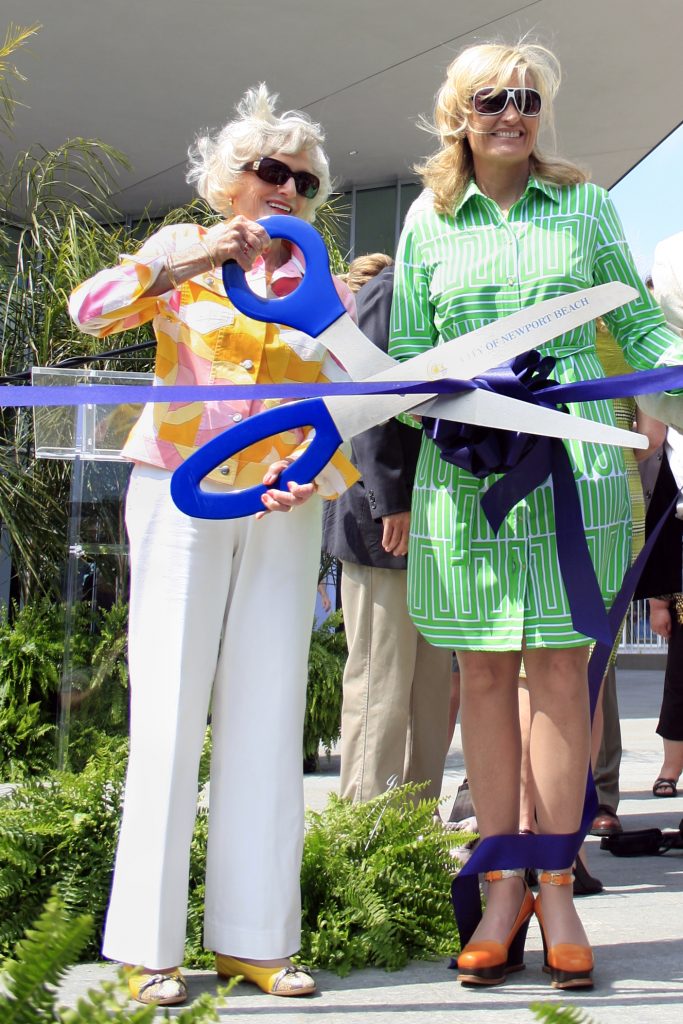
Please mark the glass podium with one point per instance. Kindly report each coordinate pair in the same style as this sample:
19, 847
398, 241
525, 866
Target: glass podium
96, 577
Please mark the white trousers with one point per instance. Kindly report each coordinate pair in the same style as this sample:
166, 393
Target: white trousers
220, 619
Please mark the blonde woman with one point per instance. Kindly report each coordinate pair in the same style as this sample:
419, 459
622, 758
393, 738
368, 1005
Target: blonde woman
500, 227
220, 610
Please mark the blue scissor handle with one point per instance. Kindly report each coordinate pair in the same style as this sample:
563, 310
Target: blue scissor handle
185, 482
314, 305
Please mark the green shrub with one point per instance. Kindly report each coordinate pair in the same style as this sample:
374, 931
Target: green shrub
375, 877
376, 883
31, 649
60, 833
326, 662
559, 1014
31, 655
28, 981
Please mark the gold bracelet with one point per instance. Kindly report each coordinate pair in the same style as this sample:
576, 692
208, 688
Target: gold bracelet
212, 258
171, 271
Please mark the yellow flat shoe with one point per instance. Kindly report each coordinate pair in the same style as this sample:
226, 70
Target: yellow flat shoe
276, 981
157, 987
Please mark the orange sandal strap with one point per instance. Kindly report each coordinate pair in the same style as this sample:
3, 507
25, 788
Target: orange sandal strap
497, 876
565, 877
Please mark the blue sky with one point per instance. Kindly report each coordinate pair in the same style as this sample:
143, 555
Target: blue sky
650, 199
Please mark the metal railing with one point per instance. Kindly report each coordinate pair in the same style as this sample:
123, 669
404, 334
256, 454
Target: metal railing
636, 635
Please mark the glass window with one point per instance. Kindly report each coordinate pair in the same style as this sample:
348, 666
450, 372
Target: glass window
409, 194
375, 220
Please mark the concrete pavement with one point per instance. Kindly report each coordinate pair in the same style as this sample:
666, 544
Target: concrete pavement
636, 925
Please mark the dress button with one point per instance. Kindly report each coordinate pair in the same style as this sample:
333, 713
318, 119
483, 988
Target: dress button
225, 471
247, 364
511, 281
237, 417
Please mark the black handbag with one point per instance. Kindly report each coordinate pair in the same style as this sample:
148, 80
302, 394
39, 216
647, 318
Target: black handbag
643, 842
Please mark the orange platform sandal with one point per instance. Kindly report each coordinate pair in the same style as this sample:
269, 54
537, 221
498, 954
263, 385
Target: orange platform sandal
488, 962
569, 965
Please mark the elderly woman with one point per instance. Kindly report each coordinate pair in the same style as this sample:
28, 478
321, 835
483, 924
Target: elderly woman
500, 227
220, 611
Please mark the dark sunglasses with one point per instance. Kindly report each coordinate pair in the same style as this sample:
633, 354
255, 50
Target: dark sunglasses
274, 172
487, 102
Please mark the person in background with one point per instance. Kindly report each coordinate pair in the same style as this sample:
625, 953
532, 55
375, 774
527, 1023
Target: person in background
502, 226
666, 613
396, 686
662, 480
606, 742
200, 638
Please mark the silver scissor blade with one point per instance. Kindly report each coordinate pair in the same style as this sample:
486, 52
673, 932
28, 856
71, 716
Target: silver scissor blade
353, 414
472, 354
359, 356
487, 409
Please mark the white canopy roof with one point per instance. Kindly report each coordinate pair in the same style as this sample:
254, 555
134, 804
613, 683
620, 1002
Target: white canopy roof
146, 76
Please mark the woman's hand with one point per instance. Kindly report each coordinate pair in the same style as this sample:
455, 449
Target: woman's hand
660, 617
283, 501
237, 239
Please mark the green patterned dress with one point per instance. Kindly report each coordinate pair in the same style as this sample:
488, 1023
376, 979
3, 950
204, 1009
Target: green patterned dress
468, 588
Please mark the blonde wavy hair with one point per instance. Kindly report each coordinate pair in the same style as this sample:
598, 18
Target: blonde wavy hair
448, 171
364, 268
216, 161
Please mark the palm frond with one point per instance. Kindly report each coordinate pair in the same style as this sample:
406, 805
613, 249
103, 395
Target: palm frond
15, 37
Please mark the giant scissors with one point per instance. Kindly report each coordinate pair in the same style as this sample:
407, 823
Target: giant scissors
315, 308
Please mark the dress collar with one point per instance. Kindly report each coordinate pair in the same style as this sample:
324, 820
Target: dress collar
533, 184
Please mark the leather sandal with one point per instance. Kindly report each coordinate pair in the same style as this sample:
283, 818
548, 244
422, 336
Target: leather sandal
664, 787
488, 962
276, 981
568, 964
159, 988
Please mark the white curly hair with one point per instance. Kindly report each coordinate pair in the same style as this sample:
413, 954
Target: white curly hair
218, 160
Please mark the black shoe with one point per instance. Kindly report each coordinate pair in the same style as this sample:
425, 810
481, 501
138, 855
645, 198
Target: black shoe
584, 883
462, 805
531, 877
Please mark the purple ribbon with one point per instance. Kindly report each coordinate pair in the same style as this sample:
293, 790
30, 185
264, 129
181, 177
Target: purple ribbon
33, 396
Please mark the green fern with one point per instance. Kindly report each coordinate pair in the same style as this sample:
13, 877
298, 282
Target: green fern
559, 1014
60, 832
31, 653
375, 883
29, 980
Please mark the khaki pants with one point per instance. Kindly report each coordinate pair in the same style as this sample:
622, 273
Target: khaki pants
607, 766
396, 689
